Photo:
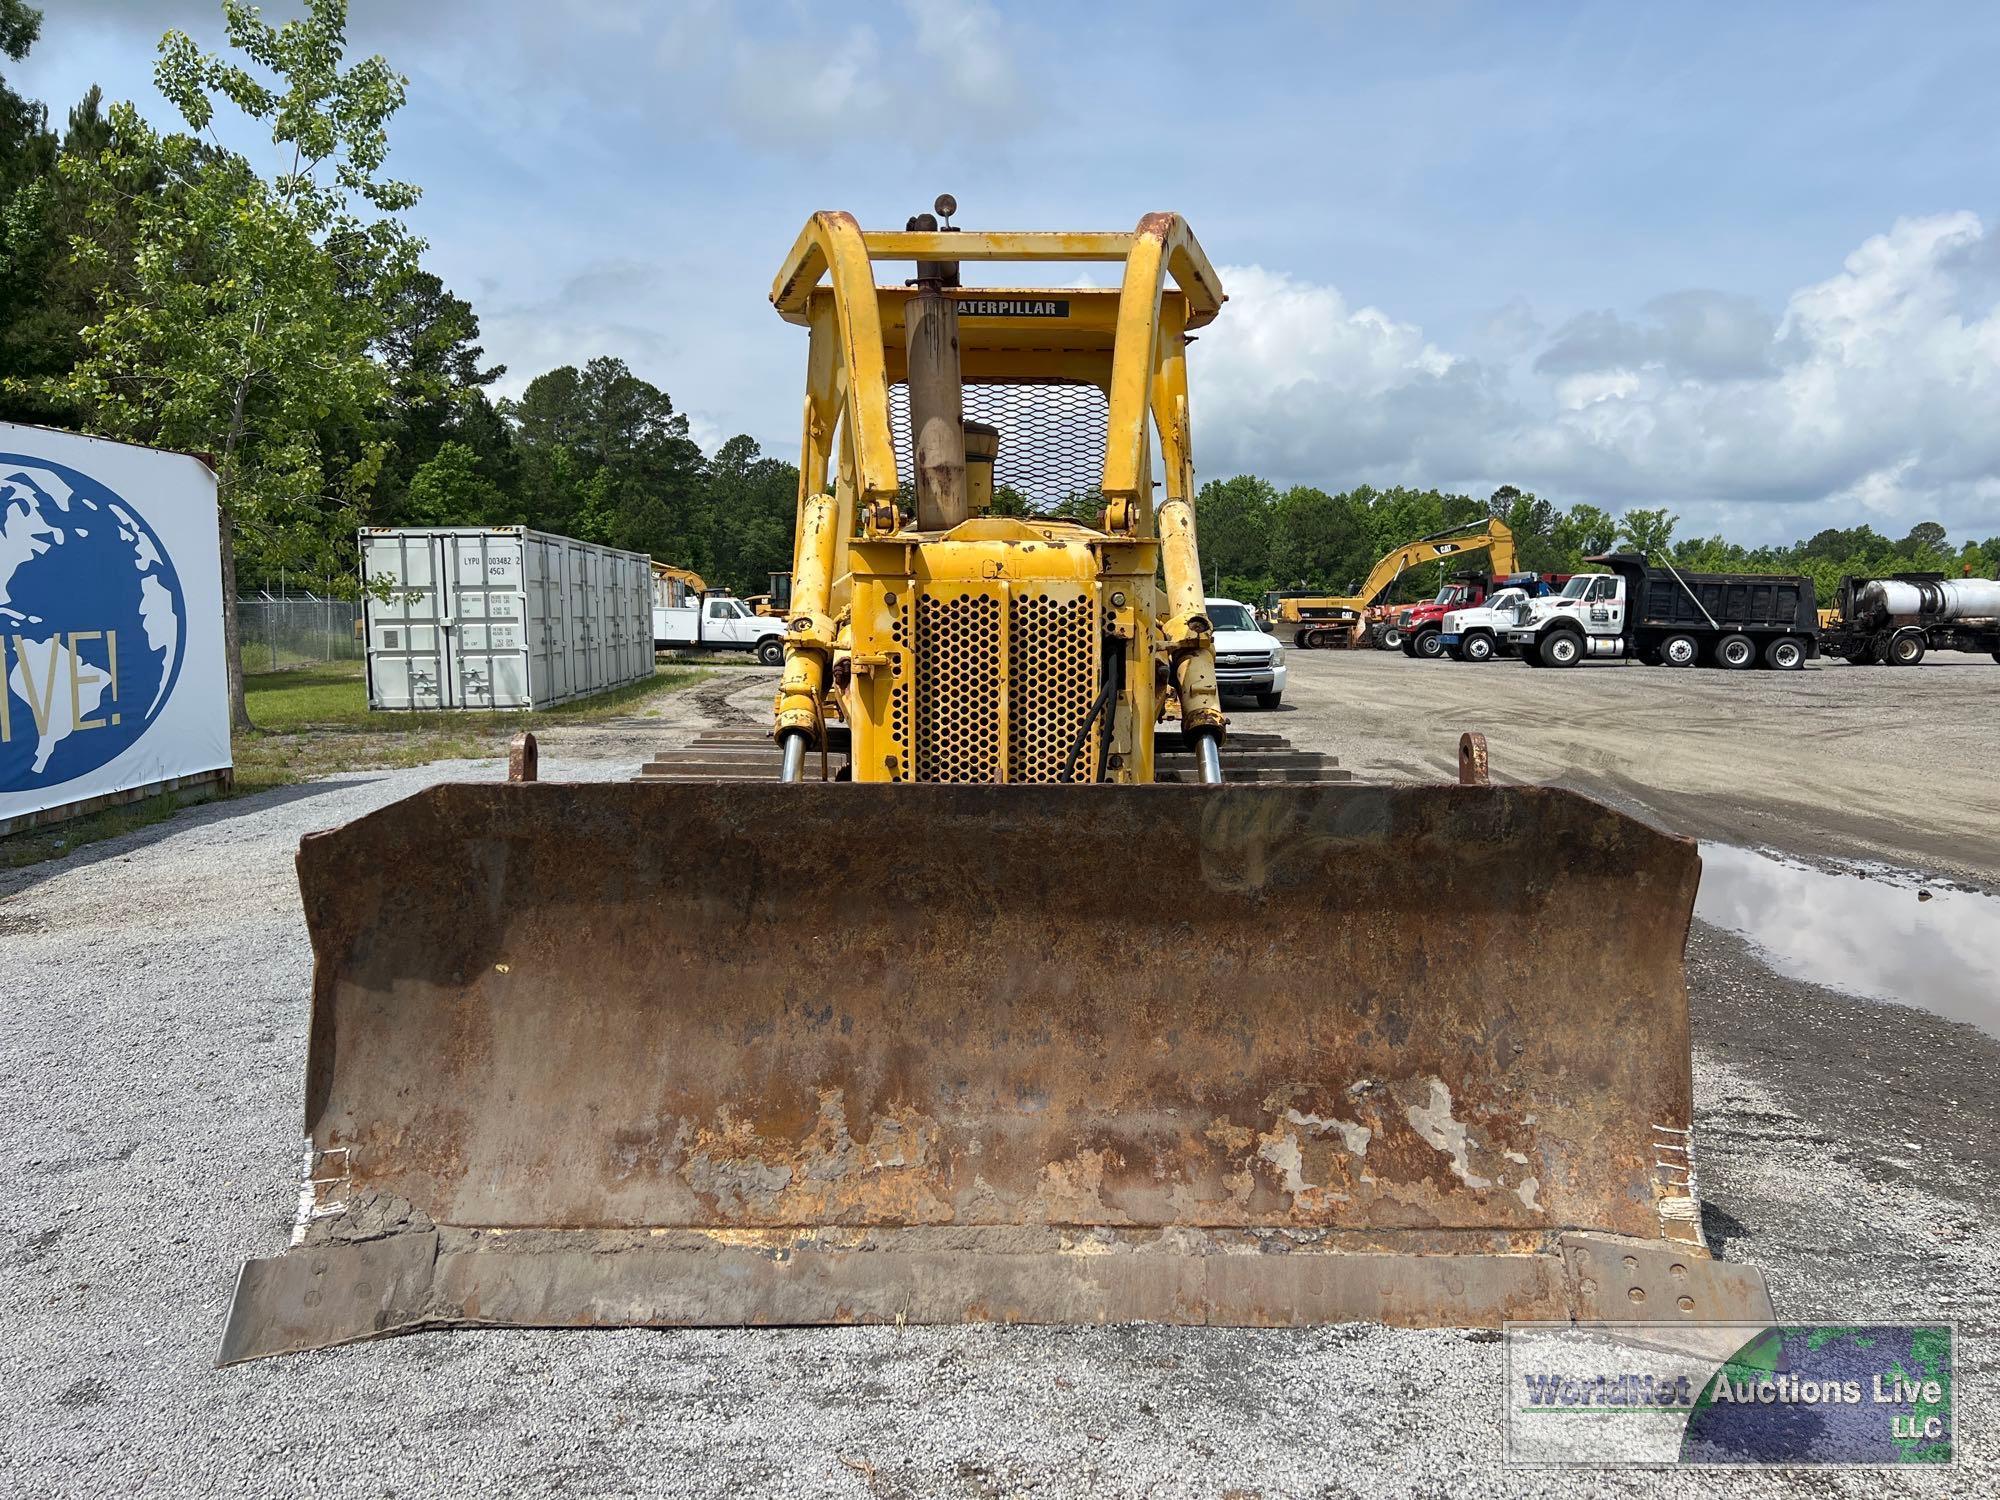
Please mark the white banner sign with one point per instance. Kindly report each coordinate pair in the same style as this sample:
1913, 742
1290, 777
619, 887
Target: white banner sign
111, 665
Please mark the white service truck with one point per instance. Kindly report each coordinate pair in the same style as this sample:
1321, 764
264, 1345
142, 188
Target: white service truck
717, 622
1479, 633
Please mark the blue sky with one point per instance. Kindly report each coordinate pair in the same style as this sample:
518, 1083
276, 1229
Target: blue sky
1741, 260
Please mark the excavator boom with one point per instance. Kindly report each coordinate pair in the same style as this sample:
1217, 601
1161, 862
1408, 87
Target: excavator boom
1340, 619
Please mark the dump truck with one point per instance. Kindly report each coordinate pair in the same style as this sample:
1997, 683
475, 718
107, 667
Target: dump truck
993, 1022
1342, 620
1663, 616
1896, 621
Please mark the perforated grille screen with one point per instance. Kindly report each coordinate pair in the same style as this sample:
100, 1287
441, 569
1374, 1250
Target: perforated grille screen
958, 687
1051, 442
1051, 687
963, 721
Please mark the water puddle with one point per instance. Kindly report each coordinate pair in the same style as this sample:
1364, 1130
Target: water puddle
1883, 934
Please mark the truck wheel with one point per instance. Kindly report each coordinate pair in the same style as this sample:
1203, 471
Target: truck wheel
1270, 700
771, 651
1786, 653
1680, 651
1563, 649
1428, 644
1476, 648
1905, 650
1735, 652
1391, 639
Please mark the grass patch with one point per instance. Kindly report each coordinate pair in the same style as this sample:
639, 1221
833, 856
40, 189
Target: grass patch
315, 721
54, 840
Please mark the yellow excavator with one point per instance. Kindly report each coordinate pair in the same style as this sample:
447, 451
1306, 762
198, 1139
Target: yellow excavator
674, 587
959, 1012
1342, 619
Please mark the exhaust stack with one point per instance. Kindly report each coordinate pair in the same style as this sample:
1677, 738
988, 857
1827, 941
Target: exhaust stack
937, 414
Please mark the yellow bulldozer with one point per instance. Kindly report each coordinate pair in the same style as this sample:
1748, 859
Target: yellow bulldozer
960, 1010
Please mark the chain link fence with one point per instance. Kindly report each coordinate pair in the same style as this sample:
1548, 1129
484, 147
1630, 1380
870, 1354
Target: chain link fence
298, 631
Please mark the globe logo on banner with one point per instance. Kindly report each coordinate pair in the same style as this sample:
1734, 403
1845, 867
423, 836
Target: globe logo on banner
92, 624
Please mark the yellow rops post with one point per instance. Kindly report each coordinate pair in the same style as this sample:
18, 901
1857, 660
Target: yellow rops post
1000, 1024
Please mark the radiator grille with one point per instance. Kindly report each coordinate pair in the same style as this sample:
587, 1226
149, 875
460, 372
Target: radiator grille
961, 702
958, 687
901, 711
1053, 684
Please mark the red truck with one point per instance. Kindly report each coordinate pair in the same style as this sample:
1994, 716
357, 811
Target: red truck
1417, 625
1421, 625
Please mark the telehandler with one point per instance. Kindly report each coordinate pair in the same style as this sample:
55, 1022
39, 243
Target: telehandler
999, 1027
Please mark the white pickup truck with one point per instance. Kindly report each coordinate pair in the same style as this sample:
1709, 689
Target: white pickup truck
1480, 633
713, 623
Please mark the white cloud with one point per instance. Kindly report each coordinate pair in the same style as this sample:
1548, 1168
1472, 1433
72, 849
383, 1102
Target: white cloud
1873, 394
791, 80
1292, 380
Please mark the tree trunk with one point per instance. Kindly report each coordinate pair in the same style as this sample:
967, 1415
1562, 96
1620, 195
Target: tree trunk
232, 644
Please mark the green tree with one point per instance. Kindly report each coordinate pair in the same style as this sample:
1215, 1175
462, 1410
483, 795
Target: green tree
751, 501
605, 457
24, 140
1648, 531
245, 320
1317, 539
1925, 536
437, 384
448, 489
1233, 517
1583, 531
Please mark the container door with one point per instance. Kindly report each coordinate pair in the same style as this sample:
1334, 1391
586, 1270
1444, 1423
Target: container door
409, 662
641, 606
536, 633
576, 615
618, 640
617, 643
488, 632
552, 617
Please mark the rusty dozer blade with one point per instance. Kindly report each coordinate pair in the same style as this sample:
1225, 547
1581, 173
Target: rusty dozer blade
749, 1054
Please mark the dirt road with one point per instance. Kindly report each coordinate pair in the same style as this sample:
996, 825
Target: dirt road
152, 1043
1832, 760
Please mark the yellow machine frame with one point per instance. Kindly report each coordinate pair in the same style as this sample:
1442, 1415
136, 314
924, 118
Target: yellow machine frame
858, 562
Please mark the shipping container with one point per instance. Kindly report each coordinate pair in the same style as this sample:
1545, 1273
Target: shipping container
500, 617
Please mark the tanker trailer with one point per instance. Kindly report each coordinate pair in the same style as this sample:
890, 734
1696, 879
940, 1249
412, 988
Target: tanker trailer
1897, 620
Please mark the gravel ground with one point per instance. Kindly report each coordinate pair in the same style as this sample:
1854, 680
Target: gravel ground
152, 1037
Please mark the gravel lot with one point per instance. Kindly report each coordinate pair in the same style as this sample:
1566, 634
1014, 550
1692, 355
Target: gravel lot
152, 1019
